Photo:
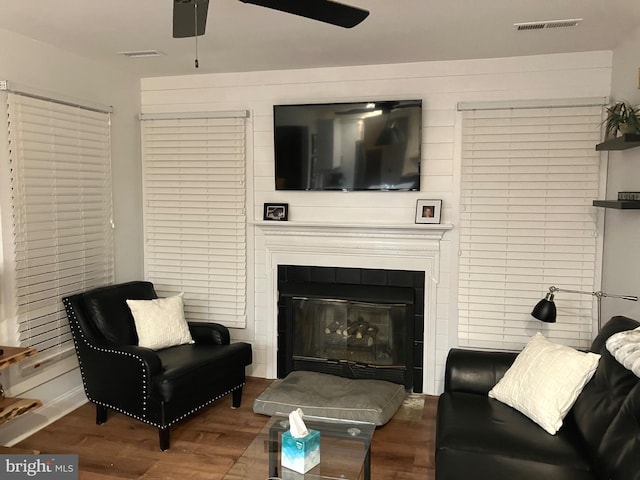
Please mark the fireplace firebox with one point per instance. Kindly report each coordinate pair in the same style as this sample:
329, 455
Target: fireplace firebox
352, 322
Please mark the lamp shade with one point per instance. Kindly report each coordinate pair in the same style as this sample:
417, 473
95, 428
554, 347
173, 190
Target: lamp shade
545, 310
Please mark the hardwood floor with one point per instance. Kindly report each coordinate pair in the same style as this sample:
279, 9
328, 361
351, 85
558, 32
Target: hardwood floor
207, 444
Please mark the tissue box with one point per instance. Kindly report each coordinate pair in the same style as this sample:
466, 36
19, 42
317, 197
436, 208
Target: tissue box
301, 454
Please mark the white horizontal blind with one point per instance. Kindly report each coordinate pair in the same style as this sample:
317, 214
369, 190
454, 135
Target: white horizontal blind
194, 219
529, 176
60, 169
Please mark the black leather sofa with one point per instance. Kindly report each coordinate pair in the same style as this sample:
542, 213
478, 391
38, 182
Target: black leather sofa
479, 437
158, 387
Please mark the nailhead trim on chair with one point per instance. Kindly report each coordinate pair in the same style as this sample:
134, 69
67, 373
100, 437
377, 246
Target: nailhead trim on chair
149, 422
208, 402
73, 318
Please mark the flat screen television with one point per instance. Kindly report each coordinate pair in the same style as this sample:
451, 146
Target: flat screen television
348, 146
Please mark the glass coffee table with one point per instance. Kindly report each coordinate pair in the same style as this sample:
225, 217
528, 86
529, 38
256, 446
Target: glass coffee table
345, 452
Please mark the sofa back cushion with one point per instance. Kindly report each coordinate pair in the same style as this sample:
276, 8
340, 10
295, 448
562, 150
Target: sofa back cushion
602, 398
109, 313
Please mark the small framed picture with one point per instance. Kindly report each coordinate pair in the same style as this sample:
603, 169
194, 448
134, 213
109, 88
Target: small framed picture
428, 211
276, 211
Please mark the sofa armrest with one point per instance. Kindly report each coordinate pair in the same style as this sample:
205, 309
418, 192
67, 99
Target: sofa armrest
475, 371
209, 333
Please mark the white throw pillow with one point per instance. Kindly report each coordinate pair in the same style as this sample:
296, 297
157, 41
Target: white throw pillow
160, 323
625, 348
545, 380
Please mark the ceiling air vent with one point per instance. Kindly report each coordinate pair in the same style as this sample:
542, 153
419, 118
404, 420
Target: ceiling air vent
572, 22
141, 53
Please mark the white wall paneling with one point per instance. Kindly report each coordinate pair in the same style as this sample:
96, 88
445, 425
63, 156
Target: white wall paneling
440, 85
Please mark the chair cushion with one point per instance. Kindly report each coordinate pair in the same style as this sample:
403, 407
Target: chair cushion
462, 417
186, 367
323, 395
477, 435
160, 322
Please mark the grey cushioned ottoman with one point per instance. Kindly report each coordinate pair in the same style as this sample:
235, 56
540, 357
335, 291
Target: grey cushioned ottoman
323, 395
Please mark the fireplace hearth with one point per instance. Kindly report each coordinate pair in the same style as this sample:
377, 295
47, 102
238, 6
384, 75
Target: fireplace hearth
352, 322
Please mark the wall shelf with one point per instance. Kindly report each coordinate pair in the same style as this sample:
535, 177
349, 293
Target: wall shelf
11, 355
628, 140
11, 408
619, 204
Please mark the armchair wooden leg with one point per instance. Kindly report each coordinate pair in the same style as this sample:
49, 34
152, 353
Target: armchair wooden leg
164, 438
236, 398
101, 414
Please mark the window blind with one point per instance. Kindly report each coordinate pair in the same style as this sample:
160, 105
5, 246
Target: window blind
60, 177
528, 179
194, 219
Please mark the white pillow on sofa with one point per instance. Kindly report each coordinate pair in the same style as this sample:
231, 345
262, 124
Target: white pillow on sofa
545, 380
160, 323
625, 348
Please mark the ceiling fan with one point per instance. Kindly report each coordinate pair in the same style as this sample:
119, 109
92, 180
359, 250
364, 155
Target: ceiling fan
190, 16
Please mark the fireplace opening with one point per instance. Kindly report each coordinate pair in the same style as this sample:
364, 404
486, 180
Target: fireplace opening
356, 323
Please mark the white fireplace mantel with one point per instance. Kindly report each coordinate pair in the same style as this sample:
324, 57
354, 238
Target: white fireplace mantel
354, 239
376, 246
434, 231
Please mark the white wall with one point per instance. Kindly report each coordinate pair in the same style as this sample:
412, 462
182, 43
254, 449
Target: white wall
40, 67
28, 63
439, 84
621, 269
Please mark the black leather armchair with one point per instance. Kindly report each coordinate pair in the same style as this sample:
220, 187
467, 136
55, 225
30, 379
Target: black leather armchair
156, 387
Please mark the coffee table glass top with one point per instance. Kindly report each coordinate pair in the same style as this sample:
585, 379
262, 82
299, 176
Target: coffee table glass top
344, 452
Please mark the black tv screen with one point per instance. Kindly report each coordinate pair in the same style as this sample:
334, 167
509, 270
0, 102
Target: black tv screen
348, 146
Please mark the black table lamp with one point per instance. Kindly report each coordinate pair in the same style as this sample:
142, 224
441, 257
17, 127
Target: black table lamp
545, 309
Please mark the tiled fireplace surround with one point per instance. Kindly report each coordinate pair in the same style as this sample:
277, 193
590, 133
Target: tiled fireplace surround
385, 247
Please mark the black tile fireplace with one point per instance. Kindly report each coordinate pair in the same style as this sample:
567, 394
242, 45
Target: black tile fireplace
352, 322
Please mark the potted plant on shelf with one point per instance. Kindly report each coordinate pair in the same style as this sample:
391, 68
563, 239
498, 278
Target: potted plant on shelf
622, 117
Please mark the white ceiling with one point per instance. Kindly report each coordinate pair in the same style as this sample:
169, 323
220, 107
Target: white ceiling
244, 37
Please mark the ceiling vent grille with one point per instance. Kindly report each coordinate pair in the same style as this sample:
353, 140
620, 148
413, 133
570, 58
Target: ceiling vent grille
141, 53
572, 22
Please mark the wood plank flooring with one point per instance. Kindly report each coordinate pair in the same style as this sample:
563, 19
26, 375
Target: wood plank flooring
207, 444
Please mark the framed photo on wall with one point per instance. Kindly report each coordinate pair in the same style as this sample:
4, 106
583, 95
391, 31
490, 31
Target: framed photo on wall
428, 211
276, 211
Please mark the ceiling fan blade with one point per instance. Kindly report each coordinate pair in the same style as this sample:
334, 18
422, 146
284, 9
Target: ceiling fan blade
184, 20
326, 11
